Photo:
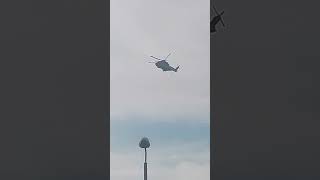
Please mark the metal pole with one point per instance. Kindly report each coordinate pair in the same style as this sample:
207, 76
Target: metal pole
145, 164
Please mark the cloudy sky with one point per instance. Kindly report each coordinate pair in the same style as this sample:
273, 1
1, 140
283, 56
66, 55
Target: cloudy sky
172, 109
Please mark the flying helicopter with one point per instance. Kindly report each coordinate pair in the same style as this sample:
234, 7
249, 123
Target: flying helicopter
163, 64
215, 19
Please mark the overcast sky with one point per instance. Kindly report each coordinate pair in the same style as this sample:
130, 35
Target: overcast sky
172, 109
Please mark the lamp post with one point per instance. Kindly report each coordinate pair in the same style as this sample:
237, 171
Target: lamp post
144, 143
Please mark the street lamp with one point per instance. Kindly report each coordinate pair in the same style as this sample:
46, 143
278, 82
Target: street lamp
144, 143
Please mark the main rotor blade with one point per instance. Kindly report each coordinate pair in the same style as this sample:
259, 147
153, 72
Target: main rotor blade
156, 58
214, 8
167, 56
151, 62
211, 13
221, 20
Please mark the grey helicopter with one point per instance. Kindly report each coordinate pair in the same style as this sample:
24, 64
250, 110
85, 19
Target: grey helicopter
215, 19
163, 64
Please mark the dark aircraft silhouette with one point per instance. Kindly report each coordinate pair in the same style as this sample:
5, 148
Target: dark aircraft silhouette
164, 65
215, 19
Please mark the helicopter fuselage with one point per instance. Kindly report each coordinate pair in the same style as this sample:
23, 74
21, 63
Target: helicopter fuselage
164, 65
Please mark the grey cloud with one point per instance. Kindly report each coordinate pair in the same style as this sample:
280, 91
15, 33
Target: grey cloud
142, 28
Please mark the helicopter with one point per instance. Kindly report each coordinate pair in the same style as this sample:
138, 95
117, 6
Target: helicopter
215, 19
163, 64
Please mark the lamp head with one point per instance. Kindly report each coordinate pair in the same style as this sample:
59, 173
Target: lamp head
144, 143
